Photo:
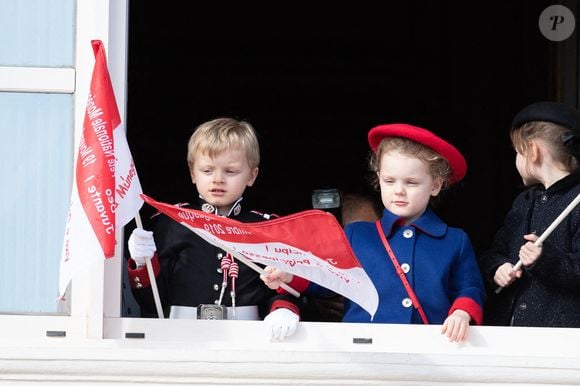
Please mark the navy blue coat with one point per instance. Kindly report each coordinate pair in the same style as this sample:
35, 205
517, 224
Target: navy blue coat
440, 263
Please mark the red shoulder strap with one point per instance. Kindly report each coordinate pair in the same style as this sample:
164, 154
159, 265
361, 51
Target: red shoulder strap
401, 274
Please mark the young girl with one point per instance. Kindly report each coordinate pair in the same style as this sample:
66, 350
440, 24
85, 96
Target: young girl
546, 291
424, 271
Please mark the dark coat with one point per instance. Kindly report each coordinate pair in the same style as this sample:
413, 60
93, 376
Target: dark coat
190, 272
548, 293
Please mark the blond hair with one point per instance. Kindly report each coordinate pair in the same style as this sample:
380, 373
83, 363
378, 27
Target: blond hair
224, 134
439, 167
549, 133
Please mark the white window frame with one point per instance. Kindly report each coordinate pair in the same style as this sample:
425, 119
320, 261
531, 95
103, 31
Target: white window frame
95, 308
90, 301
230, 352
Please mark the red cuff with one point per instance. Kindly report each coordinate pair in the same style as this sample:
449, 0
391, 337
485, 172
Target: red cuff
298, 283
470, 306
139, 277
285, 304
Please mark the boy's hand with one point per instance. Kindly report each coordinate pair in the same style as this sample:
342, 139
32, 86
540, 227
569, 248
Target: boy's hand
456, 326
141, 246
280, 324
273, 277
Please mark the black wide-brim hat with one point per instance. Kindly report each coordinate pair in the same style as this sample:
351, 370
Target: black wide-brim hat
547, 111
424, 137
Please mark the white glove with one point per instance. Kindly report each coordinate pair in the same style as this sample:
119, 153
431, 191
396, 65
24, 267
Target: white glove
280, 324
141, 246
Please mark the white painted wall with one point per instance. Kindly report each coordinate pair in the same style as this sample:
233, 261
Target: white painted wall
236, 353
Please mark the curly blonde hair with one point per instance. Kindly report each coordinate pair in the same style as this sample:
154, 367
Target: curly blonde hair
439, 167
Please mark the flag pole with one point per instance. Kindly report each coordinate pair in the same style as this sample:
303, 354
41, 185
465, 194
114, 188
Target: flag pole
151, 274
258, 269
246, 261
548, 231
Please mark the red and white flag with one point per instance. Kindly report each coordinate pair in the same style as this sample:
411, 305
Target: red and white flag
106, 189
310, 244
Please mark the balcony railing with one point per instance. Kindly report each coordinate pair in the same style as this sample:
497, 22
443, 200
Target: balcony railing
170, 352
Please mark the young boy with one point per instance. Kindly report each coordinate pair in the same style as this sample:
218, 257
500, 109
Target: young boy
424, 270
223, 157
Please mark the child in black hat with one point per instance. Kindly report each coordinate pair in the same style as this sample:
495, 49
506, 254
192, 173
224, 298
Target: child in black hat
546, 291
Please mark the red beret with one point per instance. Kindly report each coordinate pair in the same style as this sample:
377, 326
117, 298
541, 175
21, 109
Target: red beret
425, 137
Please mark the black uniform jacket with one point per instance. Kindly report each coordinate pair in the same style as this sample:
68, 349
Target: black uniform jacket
548, 293
190, 273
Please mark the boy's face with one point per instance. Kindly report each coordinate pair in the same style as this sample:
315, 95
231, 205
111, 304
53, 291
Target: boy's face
223, 179
406, 185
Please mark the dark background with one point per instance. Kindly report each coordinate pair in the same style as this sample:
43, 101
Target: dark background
313, 81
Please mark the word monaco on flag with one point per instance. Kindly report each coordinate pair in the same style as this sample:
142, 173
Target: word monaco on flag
106, 189
310, 244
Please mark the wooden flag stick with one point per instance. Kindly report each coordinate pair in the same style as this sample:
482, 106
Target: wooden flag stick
258, 269
151, 275
241, 258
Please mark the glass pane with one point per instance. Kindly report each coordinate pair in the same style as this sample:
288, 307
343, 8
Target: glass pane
41, 33
36, 174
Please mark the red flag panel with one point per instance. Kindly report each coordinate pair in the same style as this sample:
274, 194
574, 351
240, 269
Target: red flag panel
310, 244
